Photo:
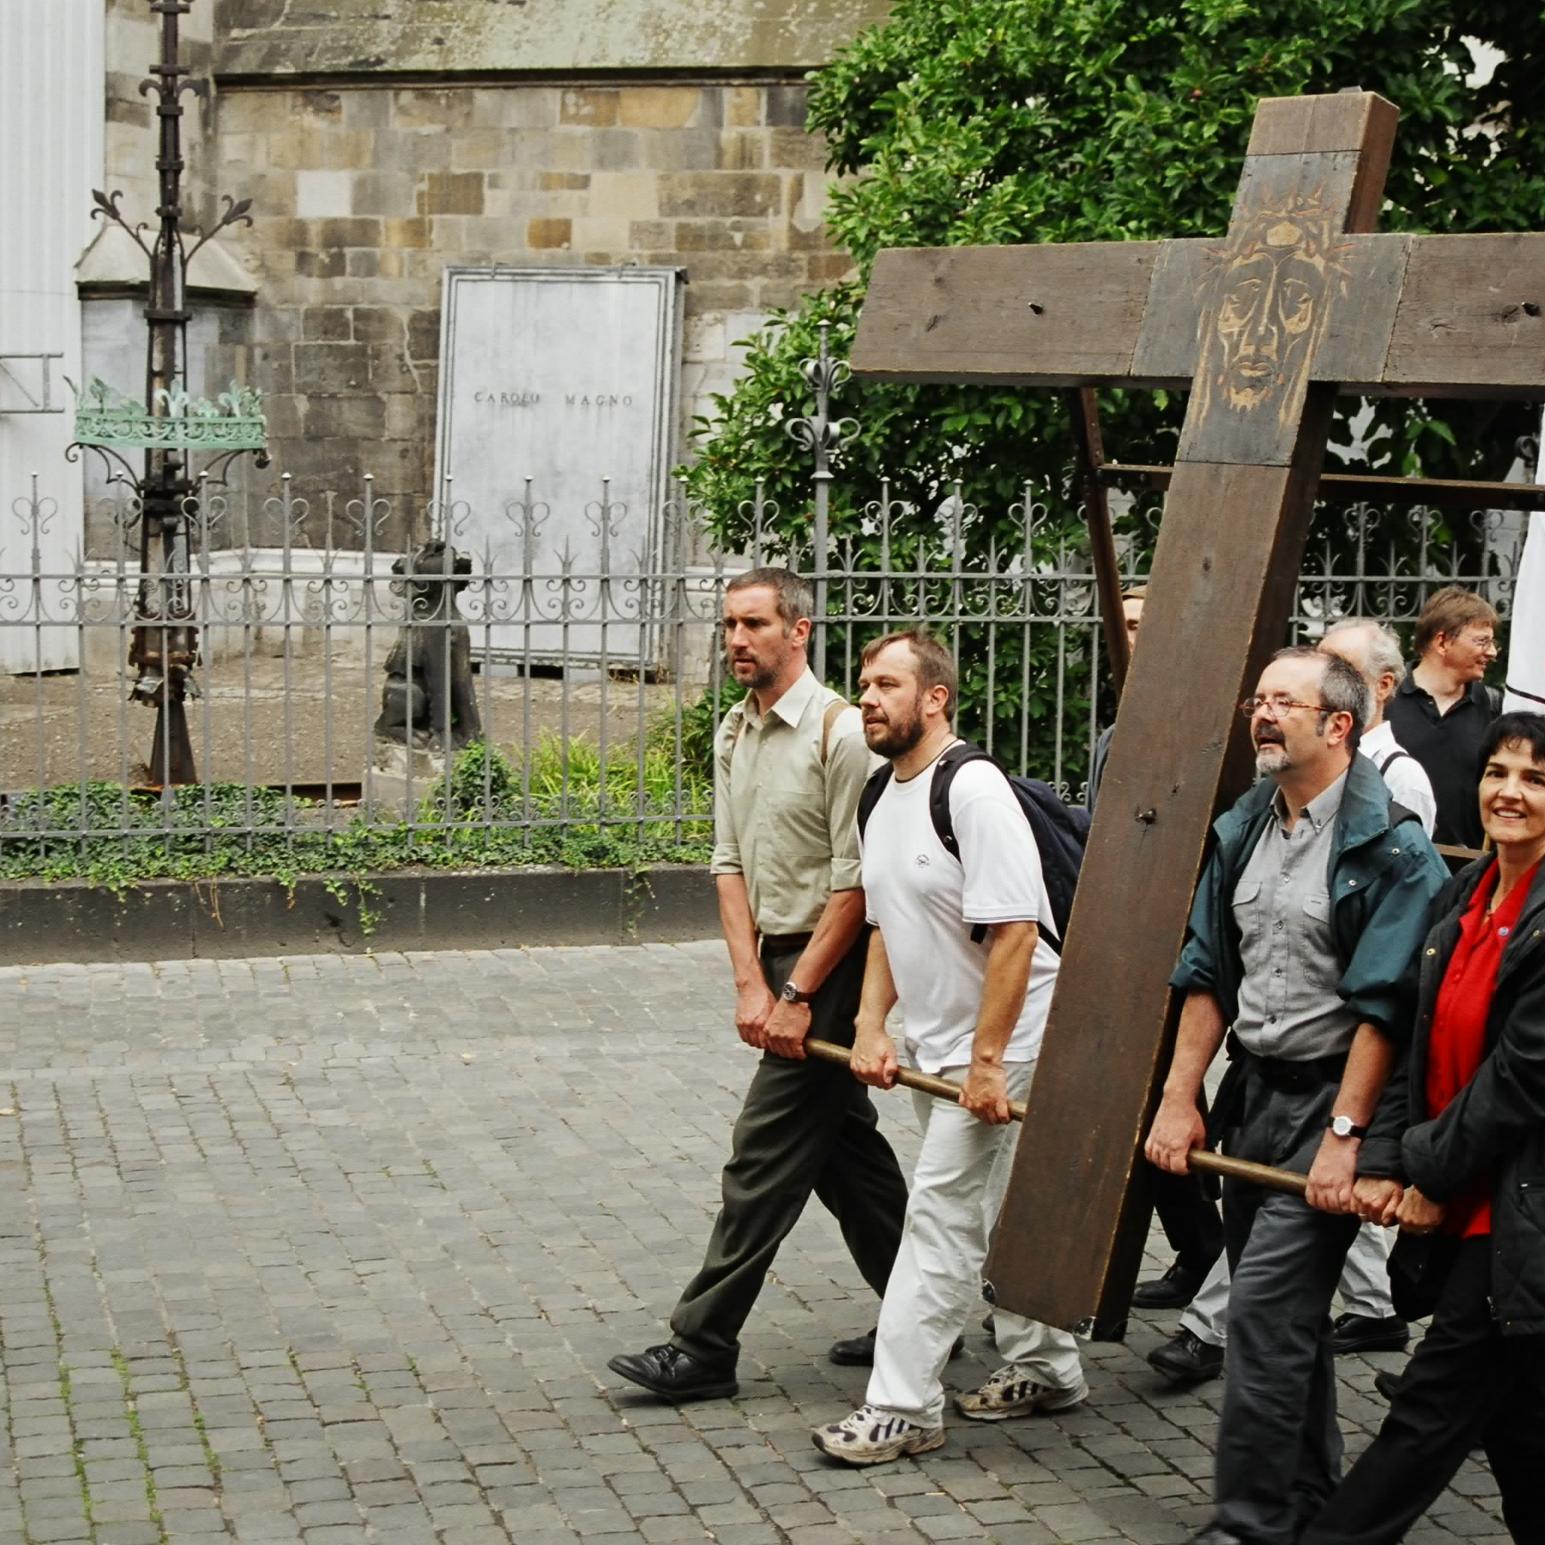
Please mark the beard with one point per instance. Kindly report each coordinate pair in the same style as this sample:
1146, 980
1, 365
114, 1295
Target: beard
1271, 756
761, 678
892, 738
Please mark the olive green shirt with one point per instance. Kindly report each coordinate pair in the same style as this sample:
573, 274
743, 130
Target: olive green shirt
782, 818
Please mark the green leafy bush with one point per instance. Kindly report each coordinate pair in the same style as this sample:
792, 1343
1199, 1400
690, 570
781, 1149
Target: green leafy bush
565, 807
990, 121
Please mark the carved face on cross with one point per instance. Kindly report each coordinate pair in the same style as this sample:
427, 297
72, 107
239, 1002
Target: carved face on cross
1275, 286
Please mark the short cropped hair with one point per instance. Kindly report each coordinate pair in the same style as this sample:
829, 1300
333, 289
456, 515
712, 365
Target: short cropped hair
935, 664
1135, 593
796, 601
1342, 687
1451, 611
1385, 656
1512, 729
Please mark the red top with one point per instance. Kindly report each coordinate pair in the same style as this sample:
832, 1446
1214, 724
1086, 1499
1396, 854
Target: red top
1458, 1044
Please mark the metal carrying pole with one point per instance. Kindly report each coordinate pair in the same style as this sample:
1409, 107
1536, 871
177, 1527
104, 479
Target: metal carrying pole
1201, 1158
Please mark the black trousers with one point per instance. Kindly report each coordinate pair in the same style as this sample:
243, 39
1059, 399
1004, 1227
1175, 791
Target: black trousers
805, 1128
1467, 1384
1189, 1218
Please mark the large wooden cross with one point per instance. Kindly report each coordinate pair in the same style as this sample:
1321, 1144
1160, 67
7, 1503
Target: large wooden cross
1263, 327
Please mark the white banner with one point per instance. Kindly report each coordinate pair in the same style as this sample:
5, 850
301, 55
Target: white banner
1526, 640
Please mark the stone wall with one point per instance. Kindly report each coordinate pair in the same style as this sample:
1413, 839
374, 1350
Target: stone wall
364, 193
265, 38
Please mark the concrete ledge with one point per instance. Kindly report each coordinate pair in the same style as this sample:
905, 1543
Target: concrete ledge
43, 922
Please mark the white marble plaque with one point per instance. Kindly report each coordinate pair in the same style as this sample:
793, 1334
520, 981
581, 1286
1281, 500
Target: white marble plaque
563, 376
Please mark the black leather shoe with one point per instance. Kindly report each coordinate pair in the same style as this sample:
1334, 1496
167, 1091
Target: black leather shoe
1174, 1290
1388, 1382
1186, 1359
1364, 1333
858, 1351
672, 1374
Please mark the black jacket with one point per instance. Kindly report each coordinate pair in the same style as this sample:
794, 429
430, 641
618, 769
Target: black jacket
1496, 1125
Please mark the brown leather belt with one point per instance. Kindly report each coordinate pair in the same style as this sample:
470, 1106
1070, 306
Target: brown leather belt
785, 943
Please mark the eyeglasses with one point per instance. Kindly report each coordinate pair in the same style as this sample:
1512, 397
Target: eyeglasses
1276, 706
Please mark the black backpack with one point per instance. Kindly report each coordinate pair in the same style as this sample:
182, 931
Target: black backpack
1060, 830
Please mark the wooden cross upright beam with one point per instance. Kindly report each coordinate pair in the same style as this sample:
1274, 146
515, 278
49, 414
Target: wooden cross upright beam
1263, 328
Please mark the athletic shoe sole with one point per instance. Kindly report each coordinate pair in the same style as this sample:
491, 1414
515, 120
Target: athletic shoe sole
1063, 1400
902, 1448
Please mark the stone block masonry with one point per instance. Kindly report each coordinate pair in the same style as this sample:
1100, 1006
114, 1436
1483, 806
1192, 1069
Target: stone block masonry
334, 1249
363, 194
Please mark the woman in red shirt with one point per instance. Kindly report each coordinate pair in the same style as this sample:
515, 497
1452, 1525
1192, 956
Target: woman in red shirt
1457, 1159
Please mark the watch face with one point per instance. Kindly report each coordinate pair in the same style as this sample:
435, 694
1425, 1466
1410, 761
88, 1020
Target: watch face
790, 993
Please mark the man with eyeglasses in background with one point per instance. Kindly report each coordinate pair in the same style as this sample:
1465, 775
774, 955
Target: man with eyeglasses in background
1441, 711
1303, 938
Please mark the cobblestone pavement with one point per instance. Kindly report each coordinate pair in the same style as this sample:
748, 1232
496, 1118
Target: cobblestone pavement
335, 1250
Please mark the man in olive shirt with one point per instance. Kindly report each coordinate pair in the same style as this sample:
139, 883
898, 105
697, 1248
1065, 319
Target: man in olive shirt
790, 763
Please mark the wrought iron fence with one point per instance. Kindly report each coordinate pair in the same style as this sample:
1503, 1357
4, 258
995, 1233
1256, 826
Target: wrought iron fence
594, 669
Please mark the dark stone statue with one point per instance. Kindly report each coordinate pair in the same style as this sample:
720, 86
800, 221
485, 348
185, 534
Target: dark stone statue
428, 698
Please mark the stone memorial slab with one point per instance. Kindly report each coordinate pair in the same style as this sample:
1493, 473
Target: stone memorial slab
551, 380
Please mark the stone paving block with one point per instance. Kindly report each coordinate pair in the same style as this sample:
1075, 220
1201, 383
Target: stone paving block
322, 1279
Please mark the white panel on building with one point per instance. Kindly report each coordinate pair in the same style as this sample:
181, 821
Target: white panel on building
51, 125
551, 380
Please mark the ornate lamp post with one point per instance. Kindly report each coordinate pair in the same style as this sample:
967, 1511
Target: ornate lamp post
170, 427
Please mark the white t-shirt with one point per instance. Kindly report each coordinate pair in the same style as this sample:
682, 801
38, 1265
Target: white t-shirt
1404, 777
924, 903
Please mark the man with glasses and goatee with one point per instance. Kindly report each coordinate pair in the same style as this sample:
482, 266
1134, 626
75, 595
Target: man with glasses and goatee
1302, 945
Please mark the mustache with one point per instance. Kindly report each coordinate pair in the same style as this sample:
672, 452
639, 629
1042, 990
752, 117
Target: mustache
1269, 735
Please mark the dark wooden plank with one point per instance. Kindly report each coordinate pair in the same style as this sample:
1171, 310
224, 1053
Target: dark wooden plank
1251, 451
1343, 120
1167, 346
1054, 315
1071, 1233
1084, 409
1452, 493
1279, 288
1471, 319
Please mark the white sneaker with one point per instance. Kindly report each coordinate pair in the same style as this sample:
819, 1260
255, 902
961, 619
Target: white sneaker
1010, 1393
871, 1437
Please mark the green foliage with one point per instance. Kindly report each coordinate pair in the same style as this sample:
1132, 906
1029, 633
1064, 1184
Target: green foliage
565, 806
991, 121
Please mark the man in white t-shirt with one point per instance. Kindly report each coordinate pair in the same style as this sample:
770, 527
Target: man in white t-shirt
973, 1010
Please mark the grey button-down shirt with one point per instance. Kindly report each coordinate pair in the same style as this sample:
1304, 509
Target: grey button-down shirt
1288, 1003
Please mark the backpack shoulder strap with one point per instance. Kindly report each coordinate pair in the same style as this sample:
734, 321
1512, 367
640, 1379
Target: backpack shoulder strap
1494, 699
950, 763
869, 796
834, 711
1391, 759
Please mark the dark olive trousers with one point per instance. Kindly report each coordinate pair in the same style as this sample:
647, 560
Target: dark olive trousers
805, 1128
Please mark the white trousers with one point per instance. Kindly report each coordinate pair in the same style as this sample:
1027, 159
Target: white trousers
936, 1284
1364, 1287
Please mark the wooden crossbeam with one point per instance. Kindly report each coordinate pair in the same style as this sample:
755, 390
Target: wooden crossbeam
1298, 302
1440, 316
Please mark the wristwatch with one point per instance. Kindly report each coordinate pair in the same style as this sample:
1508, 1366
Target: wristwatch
1344, 1126
791, 994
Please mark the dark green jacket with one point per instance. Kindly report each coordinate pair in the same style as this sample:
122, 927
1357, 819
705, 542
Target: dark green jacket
1384, 874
